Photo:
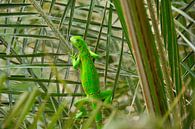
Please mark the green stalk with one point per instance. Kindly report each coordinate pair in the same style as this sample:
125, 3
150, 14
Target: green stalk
146, 55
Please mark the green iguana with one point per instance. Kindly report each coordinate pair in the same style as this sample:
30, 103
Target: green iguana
89, 78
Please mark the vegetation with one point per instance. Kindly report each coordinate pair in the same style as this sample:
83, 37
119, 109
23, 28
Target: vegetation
147, 60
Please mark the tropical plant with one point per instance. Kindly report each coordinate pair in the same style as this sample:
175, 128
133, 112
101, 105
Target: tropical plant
147, 59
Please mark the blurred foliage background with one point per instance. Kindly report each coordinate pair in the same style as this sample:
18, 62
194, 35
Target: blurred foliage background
38, 85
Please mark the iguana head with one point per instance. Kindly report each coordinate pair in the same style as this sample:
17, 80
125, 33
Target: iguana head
78, 42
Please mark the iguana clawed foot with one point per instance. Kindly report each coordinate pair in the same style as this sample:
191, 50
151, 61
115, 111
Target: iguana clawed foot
82, 113
74, 56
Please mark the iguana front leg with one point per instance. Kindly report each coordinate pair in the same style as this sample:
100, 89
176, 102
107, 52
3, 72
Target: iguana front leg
94, 55
75, 61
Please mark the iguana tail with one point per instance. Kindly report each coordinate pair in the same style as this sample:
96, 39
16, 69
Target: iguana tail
98, 117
